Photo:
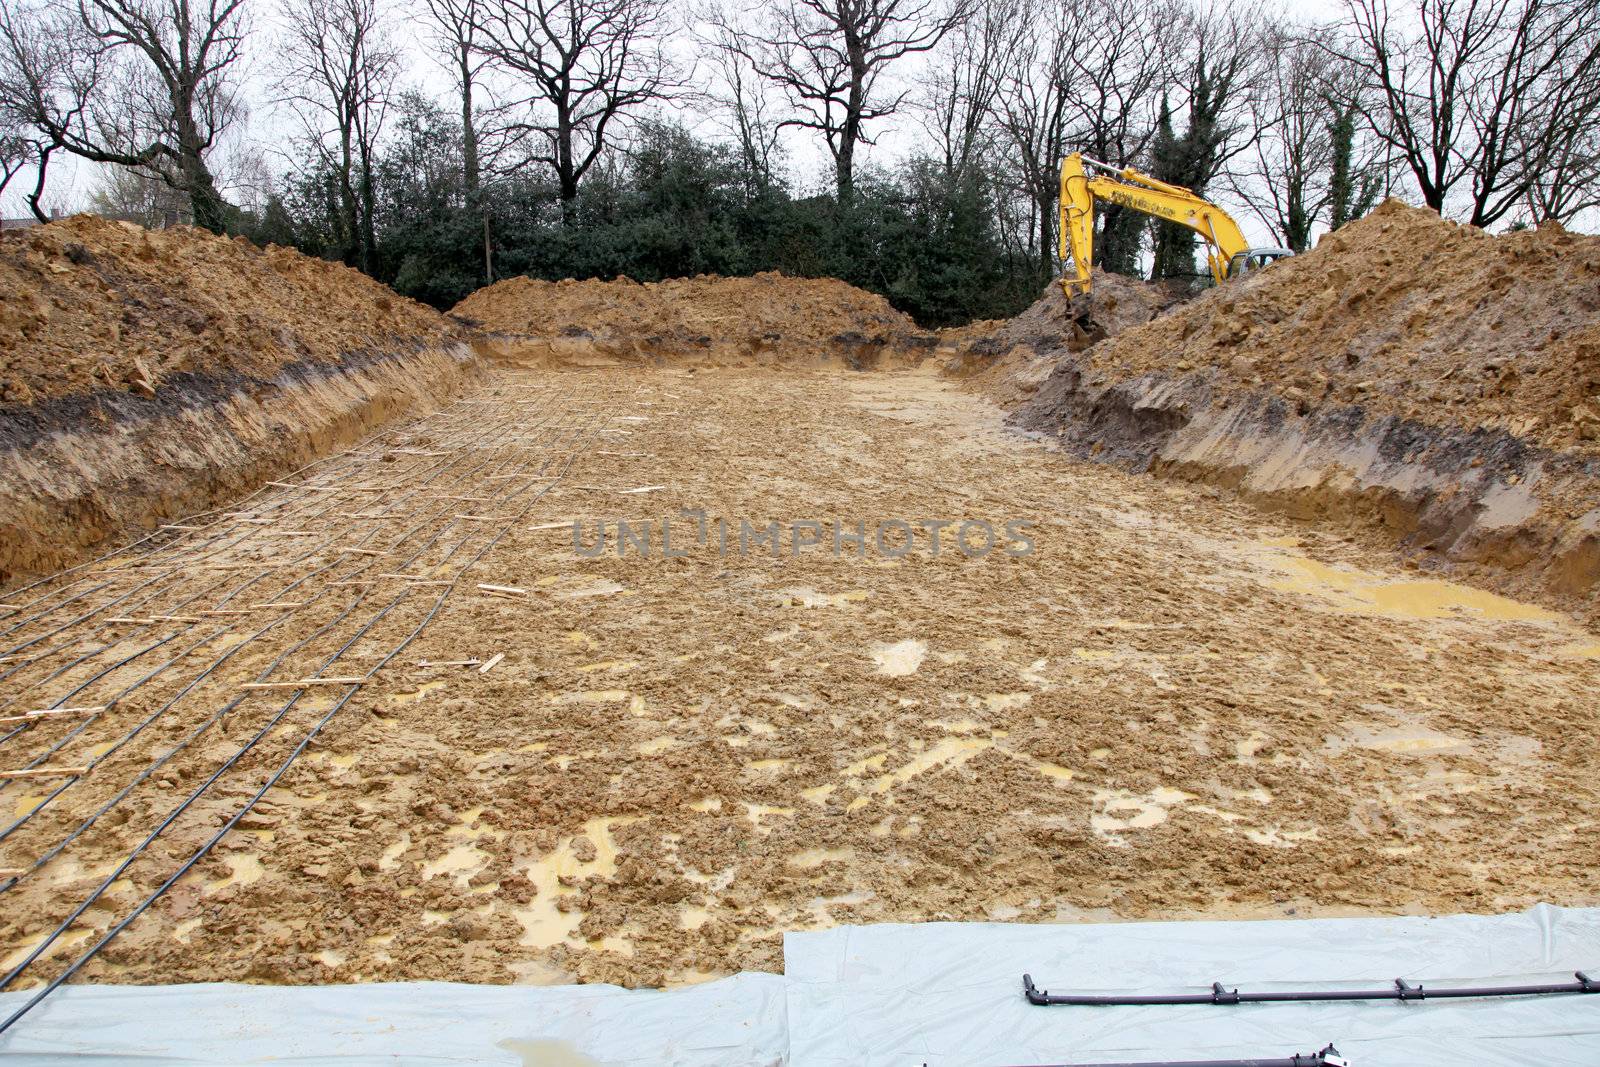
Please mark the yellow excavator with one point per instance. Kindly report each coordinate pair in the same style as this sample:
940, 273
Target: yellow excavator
1228, 253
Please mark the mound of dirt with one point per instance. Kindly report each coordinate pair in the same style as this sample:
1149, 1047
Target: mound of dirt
1404, 313
760, 319
149, 375
88, 304
1009, 358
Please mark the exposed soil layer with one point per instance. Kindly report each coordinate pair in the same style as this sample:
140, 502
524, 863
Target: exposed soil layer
82, 474
1172, 707
1401, 313
146, 375
766, 319
87, 304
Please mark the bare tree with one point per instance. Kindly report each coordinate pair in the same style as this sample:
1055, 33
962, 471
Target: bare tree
957, 94
1116, 78
455, 36
1477, 96
1032, 102
160, 91
588, 64
739, 98
1287, 176
48, 70
137, 196
339, 73
1215, 77
827, 57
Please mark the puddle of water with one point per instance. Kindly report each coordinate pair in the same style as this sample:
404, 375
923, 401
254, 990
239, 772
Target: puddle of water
590, 696
705, 804
806, 597
184, 931
70, 939
656, 744
331, 957
901, 658
1118, 811
244, 869
544, 924
25, 804
951, 752
391, 855
1421, 741
956, 726
461, 862
768, 764
1007, 701
816, 857
416, 695
611, 666
1358, 591
1247, 748
756, 812
1580, 650
602, 587
1091, 654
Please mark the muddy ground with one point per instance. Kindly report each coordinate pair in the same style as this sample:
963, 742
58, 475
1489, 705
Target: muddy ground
1172, 707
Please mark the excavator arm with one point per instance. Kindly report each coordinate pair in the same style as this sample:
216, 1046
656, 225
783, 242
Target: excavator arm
1133, 189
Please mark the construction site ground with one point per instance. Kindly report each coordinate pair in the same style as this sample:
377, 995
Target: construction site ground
1172, 707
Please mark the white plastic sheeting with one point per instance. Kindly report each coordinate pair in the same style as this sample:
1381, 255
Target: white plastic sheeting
738, 1020
949, 994
944, 994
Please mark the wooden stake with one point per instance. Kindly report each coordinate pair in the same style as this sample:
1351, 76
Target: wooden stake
304, 683
505, 590
46, 772
489, 666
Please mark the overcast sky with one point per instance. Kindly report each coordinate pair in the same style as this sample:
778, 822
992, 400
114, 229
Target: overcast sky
72, 182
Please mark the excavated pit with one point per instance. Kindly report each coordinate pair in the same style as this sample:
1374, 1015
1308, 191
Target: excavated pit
1173, 706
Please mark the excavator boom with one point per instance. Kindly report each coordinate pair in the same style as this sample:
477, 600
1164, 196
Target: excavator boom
1132, 189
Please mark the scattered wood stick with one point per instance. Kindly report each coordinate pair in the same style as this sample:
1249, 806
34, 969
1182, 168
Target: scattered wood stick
175, 618
503, 590
288, 533
176, 526
278, 607
224, 611
642, 489
553, 526
489, 664
479, 518
303, 683
13, 872
46, 772
53, 713
449, 663
361, 551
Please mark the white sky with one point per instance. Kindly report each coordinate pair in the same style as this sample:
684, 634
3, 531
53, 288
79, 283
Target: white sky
72, 182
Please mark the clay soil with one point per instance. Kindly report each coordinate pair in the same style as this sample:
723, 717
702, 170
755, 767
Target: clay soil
1402, 313
88, 305
1172, 707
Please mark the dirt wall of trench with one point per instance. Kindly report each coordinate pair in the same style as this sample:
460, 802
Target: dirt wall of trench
1482, 504
82, 474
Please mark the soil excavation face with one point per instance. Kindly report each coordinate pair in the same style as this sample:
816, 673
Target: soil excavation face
1171, 708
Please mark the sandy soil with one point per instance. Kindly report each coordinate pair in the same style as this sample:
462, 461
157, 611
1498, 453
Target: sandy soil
1403, 313
89, 306
1171, 708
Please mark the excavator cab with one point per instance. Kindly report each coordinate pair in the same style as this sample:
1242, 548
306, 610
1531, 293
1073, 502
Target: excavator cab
1253, 259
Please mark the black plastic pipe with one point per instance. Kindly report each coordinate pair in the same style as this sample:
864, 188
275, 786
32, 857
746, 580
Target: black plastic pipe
1401, 990
1328, 1057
